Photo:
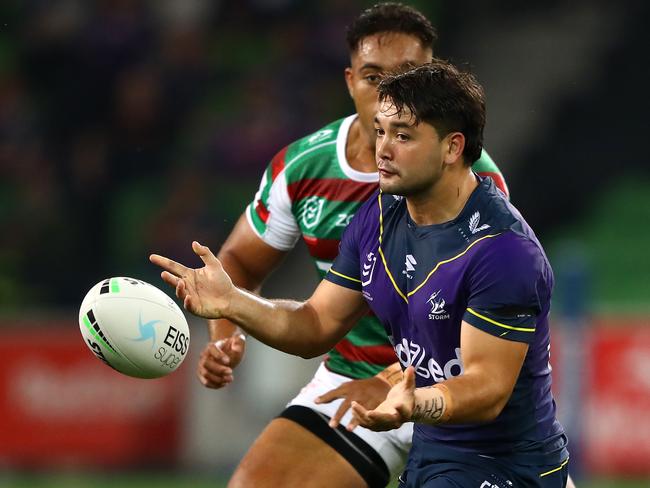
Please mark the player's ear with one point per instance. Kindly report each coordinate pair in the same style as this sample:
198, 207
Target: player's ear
349, 81
454, 145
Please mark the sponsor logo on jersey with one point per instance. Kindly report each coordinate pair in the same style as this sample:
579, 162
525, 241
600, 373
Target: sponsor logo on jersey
343, 219
368, 268
437, 303
474, 222
410, 353
410, 263
312, 211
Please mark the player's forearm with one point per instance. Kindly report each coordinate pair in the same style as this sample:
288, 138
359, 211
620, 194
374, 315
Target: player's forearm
290, 326
464, 399
242, 277
392, 374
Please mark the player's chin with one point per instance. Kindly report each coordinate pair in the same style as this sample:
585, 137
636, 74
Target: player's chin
389, 184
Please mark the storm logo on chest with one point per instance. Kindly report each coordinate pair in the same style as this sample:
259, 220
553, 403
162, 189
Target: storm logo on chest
437, 303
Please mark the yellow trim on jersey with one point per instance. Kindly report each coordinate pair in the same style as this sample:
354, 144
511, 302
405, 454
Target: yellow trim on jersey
449, 260
383, 258
520, 329
556, 469
381, 253
344, 276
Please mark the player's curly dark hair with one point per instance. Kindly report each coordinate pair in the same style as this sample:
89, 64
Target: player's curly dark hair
445, 97
390, 17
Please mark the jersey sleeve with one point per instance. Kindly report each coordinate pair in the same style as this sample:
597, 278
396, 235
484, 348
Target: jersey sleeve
345, 269
509, 288
270, 213
485, 166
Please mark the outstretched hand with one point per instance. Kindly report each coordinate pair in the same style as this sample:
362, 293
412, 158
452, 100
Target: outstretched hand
204, 291
369, 392
392, 412
218, 360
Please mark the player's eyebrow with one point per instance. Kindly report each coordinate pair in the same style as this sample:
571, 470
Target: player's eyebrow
381, 68
371, 66
396, 125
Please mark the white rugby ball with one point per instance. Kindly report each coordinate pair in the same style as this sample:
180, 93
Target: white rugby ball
134, 327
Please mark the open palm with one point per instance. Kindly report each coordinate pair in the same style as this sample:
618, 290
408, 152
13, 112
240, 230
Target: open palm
396, 409
204, 291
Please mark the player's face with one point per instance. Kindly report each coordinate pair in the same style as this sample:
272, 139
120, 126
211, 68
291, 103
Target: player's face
409, 157
376, 55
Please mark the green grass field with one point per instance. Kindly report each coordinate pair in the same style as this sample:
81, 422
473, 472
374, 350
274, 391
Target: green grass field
153, 480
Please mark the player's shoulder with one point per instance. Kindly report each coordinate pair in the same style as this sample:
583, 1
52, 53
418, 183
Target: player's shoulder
489, 210
315, 146
508, 236
485, 166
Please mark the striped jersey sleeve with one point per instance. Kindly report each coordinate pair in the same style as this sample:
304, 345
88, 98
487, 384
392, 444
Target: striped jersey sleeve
507, 286
270, 213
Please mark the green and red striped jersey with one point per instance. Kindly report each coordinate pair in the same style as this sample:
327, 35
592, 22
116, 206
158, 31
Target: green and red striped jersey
310, 190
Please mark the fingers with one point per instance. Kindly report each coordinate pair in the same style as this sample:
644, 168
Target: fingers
180, 288
409, 378
204, 253
329, 396
167, 264
359, 417
169, 278
340, 412
238, 343
219, 351
214, 381
213, 370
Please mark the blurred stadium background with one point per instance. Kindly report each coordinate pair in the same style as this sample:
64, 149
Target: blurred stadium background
135, 126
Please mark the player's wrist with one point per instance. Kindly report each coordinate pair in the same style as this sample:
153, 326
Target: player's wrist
432, 405
391, 375
226, 306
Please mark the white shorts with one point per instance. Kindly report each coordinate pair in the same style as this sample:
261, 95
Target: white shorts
393, 446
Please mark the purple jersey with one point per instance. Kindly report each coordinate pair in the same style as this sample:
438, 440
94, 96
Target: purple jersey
486, 268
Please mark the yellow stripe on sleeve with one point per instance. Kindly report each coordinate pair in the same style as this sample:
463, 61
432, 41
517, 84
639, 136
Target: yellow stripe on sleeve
554, 470
344, 276
487, 319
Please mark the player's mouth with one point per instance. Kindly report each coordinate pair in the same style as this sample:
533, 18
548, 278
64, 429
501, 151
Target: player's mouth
385, 170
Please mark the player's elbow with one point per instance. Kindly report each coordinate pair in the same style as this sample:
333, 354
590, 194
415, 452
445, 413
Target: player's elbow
315, 349
494, 407
491, 413
311, 354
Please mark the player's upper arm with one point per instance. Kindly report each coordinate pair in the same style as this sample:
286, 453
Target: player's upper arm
270, 214
509, 288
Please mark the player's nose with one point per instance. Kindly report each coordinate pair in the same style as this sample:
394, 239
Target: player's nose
383, 150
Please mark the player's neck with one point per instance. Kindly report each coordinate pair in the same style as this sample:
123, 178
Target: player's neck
360, 149
444, 200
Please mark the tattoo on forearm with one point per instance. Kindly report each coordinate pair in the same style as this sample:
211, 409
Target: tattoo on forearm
430, 411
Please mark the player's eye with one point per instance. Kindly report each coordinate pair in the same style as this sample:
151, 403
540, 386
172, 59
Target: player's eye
402, 137
373, 79
379, 131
